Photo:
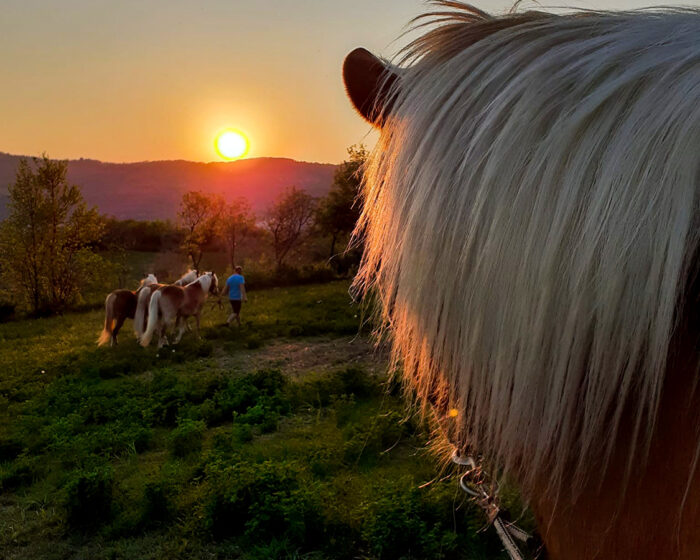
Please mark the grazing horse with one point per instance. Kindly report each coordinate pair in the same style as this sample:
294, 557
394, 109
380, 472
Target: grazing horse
144, 297
170, 306
119, 306
531, 224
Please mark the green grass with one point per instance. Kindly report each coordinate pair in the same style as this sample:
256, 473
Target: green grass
185, 452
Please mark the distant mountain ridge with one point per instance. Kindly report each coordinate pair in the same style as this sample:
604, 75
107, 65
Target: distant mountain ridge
152, 190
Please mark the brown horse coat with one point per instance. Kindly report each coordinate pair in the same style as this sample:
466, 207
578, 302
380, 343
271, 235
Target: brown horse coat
121, 305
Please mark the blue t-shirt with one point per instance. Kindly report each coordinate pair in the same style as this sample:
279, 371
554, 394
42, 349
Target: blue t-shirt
234, 283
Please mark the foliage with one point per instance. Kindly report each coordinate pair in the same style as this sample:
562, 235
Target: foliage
237, 221
89, 498
199, 215
157, 506
204, 453
141, 235
48, 241
187, 438
261, 502
339, 210
289, 222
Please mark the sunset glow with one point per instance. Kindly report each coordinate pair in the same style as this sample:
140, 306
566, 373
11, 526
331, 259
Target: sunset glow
231, 144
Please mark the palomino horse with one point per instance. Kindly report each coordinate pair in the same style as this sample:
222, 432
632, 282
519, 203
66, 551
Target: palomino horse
531, 225
172, 305
144, 297
120, 305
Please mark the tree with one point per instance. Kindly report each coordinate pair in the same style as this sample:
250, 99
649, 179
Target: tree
48, 241
339, 210
237, 220
289, 222
199, 214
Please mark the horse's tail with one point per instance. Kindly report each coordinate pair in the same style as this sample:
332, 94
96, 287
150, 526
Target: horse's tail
141, 314
106, 335
152, 319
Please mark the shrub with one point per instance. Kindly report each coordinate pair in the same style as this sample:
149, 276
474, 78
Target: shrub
187, 437
9, 449
367, 440
357, 381
242, 433
254, 399
14, 474
88, 499
263, 502
396, 527
344, 406
156, 507
7, 312
322, 389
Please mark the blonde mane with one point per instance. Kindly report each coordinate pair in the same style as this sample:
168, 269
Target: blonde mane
530, 217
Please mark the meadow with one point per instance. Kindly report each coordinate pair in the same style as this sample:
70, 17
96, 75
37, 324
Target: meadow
281, 439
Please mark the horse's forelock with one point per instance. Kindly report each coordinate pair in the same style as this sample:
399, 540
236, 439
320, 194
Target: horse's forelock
529, 218
455, 26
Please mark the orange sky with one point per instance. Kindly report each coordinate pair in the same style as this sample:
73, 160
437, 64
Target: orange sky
157, 79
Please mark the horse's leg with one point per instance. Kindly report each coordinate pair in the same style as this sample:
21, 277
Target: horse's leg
115, 331
162, 339
180, 325
166, 341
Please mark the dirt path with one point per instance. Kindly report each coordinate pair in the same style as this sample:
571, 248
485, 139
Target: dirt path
296, 357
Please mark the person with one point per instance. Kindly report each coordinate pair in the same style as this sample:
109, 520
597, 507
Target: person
236, 295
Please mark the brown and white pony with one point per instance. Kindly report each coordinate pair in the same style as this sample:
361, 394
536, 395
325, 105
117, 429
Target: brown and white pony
144, 297
532, 229
170, 306
121, 305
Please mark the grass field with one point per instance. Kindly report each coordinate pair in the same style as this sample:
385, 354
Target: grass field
281, 439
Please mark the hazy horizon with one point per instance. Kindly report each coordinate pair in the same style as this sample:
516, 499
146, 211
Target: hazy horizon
132, 81
165, 160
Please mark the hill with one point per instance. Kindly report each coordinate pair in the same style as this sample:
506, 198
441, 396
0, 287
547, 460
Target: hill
153, 189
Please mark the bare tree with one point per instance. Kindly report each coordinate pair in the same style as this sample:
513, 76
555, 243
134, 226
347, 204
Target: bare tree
289, 222
199, 214
237, 220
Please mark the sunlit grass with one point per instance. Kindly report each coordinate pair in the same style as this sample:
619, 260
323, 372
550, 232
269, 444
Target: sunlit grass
160, 441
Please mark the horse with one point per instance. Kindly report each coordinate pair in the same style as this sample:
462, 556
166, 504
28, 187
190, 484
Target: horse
531, 230
144, 297
170, 306
119, 306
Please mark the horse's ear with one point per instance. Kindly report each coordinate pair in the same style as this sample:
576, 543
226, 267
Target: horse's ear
369, 84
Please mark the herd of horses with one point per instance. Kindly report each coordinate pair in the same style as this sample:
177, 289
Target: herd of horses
156, 308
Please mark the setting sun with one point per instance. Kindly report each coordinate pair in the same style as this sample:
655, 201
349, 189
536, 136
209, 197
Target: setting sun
231, 144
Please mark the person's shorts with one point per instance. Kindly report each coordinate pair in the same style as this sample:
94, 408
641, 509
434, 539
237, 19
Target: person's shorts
236, 305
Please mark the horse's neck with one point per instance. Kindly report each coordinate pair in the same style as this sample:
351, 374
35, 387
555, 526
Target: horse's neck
648, 511
198, 291
205, 284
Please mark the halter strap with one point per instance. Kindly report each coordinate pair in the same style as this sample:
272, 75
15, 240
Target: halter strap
484, 491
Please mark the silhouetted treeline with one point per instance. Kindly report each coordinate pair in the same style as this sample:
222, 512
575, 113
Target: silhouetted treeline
136, 235
58, 254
